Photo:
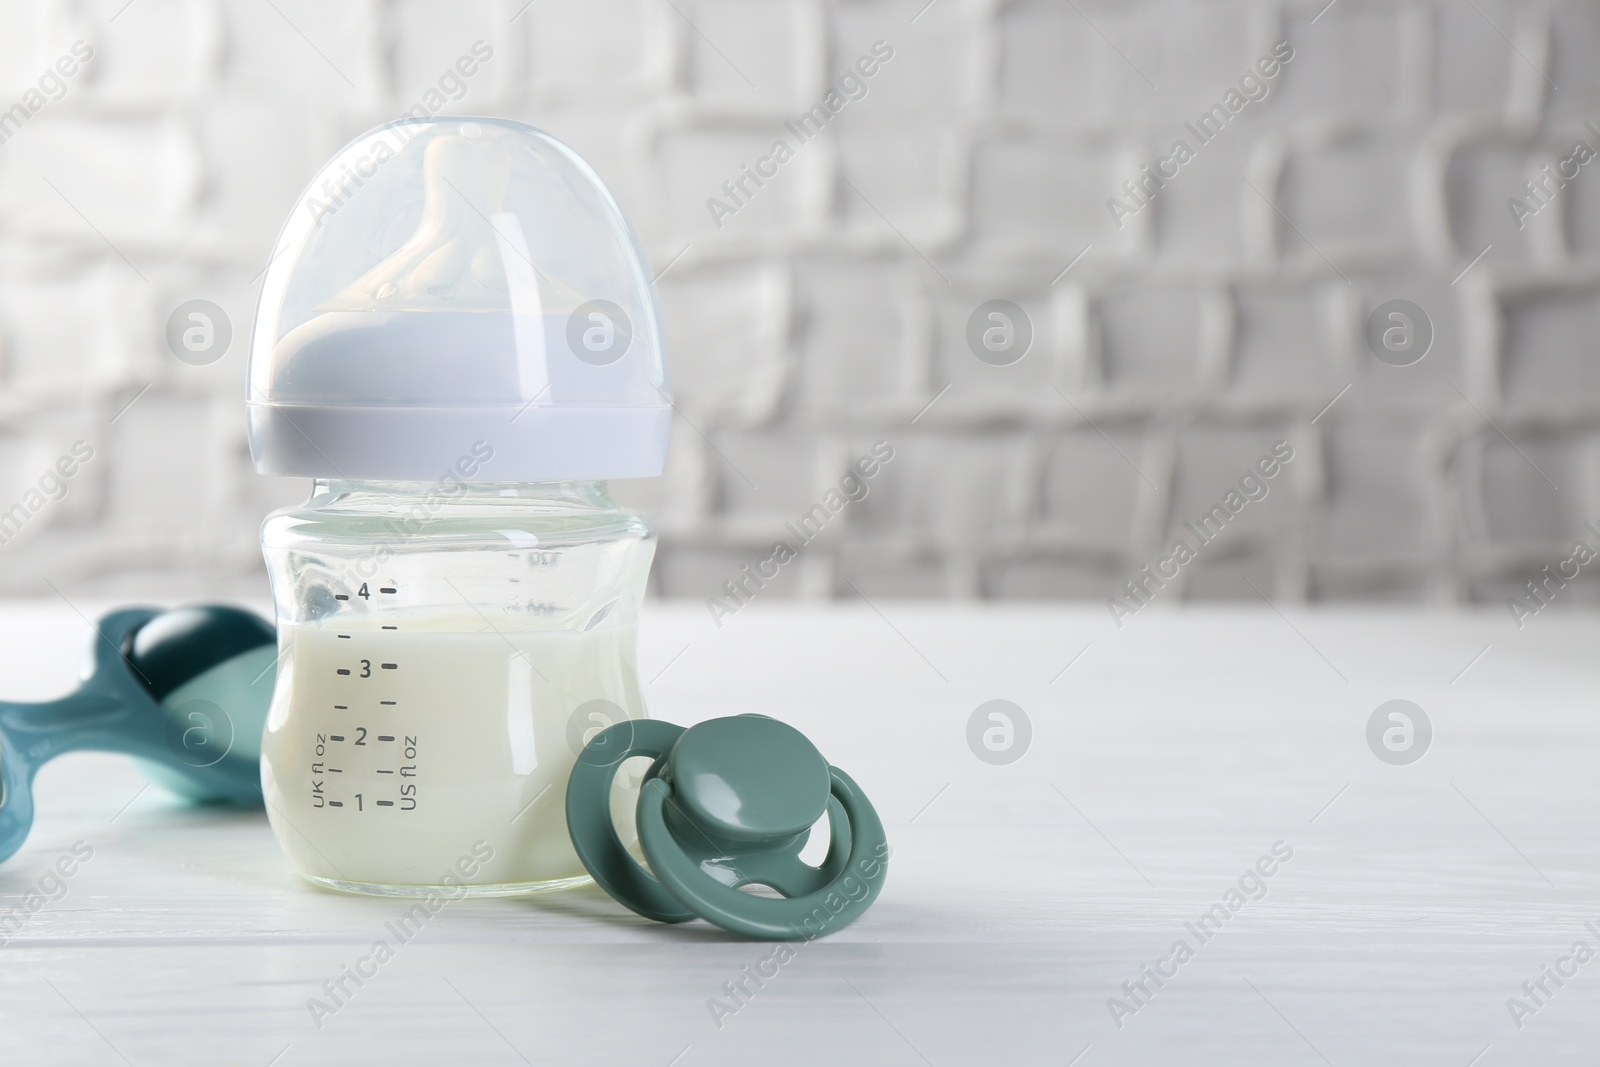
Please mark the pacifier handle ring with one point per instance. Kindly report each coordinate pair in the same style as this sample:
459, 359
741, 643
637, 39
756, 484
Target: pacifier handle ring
792, 918
594, 835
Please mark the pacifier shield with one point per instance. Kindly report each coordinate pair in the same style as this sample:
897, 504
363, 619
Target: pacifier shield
594, 836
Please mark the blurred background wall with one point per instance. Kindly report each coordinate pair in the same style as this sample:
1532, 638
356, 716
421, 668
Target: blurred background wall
1149, 355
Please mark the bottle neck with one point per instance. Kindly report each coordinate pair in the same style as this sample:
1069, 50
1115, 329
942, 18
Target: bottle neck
585, 493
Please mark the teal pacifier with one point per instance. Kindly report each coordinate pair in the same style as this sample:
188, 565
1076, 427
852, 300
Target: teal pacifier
186, 692
729, 803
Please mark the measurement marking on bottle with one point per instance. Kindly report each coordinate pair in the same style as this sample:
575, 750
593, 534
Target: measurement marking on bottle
388, 589
344, 637
335, 803
341, 596
385, 803
385, 772
391, 627
386, 737
341, 707
387, 703
336, 737
335, 770
390, 666
344, 670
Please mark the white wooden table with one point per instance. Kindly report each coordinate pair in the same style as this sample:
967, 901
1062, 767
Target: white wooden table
1163, 763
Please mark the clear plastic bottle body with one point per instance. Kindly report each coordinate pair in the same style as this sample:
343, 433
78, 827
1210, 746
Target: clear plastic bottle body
445, 650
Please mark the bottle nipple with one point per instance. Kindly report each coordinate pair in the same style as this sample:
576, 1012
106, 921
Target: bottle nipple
454, 260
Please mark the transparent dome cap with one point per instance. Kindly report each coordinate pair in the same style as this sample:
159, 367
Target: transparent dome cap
450, 286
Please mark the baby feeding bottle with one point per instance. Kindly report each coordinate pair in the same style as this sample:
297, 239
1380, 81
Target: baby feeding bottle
459, 343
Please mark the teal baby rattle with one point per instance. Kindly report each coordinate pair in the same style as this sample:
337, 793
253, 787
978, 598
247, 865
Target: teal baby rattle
185, 691
729, 803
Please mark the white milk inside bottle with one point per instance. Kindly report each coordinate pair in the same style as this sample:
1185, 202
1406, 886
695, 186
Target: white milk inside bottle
396, 749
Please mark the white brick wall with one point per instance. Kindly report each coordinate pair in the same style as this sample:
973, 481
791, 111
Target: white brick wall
833, 308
